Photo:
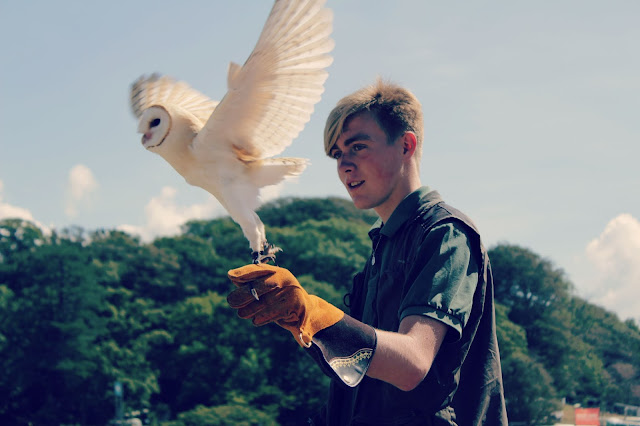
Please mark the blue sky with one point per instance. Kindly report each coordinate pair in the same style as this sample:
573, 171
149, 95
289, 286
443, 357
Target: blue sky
531, 116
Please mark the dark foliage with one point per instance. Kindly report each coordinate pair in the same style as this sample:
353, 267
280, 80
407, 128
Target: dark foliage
586, 353
79, 311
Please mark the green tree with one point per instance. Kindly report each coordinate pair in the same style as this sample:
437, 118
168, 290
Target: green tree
225, 237
51, 323
238, 414
292, 211
201, 364
79, 311
16, 236
526, 283
200, 268
331, 250
134, 310
528, 388
616, 345
512, 338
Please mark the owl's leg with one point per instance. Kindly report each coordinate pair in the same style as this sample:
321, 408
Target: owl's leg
242, 211
267, 254
253, 230
261, 250
251, 225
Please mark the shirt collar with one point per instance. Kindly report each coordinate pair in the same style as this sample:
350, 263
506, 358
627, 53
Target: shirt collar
405, 211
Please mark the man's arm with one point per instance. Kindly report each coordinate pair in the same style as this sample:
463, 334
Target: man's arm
403, 359
347, 346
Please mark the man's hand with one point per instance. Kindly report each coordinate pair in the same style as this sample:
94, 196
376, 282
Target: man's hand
343, 346
280, 299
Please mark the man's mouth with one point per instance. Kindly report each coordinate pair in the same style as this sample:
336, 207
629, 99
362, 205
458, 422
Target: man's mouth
355, 184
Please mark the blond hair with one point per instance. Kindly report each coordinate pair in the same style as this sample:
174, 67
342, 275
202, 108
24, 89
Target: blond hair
395, 109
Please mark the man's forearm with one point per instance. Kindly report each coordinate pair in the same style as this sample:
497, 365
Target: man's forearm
403, 359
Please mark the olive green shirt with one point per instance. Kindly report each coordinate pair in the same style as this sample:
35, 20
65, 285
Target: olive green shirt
439, 282
416, 268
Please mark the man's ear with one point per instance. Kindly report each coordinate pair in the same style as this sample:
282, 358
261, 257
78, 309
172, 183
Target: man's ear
409, 143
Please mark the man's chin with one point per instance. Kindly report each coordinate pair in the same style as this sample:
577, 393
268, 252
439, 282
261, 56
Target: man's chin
361, 204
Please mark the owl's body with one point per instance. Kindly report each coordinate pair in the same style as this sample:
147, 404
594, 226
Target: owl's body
228, 148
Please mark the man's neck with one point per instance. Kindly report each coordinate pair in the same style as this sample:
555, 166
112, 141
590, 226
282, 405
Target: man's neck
385, 211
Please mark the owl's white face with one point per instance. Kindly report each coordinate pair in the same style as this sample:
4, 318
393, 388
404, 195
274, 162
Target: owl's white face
154, 124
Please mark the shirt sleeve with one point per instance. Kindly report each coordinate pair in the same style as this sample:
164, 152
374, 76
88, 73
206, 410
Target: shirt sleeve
446, 277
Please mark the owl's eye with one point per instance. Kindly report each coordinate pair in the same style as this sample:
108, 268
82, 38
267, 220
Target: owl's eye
155, 122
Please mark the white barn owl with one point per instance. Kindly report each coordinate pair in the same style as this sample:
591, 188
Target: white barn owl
228, 148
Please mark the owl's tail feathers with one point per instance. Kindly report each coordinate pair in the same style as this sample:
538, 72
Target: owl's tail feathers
272, 171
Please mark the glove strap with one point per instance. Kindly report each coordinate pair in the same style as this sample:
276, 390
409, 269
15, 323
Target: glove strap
347, 348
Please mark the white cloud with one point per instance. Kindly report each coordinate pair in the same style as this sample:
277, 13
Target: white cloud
164, 216
614, 257
8, 211
81, 185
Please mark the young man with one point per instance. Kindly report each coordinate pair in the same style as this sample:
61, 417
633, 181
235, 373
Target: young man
419, 346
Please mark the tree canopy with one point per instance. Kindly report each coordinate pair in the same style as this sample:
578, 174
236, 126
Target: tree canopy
80, 310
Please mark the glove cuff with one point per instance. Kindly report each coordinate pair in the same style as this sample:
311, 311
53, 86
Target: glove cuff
347, 348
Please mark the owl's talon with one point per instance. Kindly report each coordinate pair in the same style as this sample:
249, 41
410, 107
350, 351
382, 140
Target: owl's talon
268, 254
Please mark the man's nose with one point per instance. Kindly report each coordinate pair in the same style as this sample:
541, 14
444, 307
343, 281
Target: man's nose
345, 163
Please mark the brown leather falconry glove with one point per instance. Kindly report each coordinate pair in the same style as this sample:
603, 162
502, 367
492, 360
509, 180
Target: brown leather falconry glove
281, 300
268, 293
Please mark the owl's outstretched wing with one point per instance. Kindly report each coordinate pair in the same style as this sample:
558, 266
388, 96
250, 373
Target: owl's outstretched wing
155, 89
272, 96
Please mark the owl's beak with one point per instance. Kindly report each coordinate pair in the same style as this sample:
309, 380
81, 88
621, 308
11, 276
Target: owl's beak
145, 137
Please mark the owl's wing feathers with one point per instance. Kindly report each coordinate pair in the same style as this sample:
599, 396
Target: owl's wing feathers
272, 96
162, 90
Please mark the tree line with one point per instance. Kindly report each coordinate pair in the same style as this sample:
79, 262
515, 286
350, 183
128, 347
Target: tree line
81, 310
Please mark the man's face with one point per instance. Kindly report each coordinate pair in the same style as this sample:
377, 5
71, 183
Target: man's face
370, 169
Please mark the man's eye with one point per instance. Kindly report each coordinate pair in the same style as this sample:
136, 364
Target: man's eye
336, 155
